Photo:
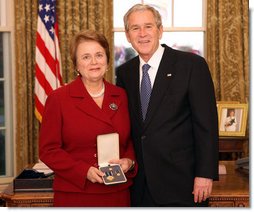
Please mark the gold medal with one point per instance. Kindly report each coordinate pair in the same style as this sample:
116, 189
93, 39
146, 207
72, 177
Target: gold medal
110, 178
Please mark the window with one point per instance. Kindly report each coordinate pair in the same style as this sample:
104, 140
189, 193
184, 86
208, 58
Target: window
6, 130
183, 22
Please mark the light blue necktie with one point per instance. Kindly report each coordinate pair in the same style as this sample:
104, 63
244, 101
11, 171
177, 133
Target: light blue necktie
146, 90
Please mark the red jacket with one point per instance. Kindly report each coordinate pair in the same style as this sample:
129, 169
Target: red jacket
70, 125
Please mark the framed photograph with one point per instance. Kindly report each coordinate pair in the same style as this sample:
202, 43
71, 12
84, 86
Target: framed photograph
232, 119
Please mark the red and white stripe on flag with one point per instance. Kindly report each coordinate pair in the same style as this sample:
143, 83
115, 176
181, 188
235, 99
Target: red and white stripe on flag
48, 74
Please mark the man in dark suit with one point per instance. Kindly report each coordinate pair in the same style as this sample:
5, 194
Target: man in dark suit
175, 133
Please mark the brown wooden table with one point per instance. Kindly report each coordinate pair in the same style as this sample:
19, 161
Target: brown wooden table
232, 189
26, 199
233, 145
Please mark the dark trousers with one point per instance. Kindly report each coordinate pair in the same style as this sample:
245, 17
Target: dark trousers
147, 201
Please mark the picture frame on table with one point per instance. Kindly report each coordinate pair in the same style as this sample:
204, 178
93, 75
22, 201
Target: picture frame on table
232, 118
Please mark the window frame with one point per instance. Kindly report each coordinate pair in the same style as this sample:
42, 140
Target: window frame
181, 29
7, 26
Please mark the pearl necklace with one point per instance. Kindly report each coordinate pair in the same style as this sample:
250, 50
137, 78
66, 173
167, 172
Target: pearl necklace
98, 94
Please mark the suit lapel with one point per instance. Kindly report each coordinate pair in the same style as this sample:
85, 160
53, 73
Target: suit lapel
111, 102
165, 74
85, 103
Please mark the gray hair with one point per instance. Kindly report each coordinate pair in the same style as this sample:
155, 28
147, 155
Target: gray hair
142, 7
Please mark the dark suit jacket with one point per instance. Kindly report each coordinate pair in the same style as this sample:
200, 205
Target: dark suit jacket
179, 138
69, 129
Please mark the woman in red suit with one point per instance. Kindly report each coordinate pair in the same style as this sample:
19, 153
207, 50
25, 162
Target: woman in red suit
74, 116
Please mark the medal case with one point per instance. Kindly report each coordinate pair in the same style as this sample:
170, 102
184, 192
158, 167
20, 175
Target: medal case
107, 149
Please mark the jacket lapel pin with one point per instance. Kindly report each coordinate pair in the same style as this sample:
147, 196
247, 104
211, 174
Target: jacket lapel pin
113, 106
169, 75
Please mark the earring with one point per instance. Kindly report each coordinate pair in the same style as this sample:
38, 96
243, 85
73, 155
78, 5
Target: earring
77, 72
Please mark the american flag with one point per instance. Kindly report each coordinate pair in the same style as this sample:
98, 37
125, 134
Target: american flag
48, 74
